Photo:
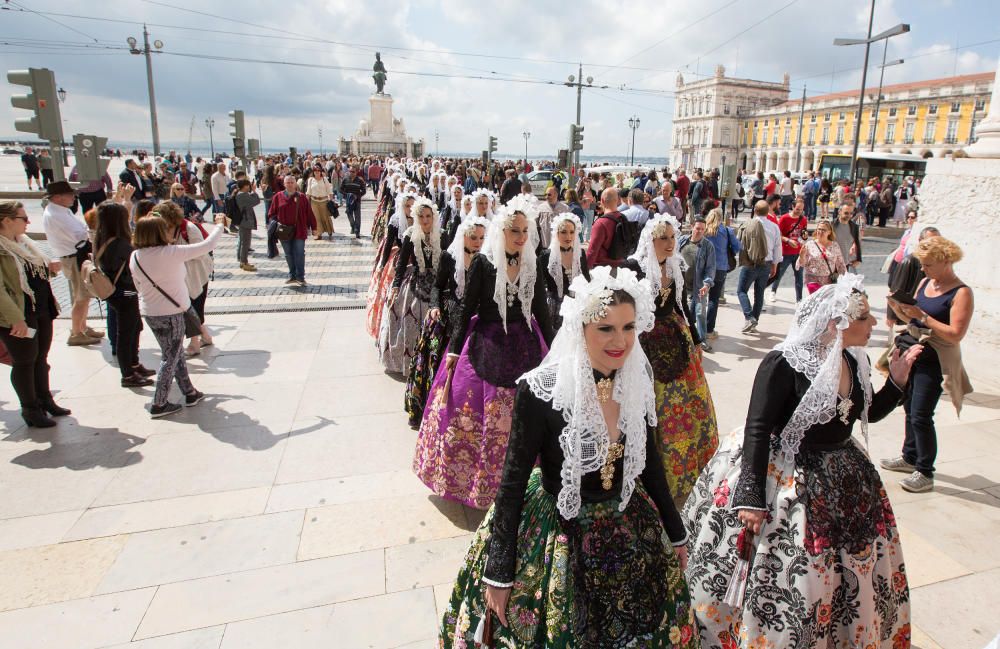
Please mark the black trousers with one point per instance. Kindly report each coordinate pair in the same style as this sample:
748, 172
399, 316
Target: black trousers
29, 373
129, 324
90, 199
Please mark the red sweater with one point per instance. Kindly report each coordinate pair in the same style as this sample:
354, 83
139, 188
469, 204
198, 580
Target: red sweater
601, 234
293, 210
682, 186
792, 227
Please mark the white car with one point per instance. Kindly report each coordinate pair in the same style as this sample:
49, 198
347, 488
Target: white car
540, 181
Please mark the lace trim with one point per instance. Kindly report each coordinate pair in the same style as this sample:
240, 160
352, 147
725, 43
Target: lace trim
497, 584
494, 248
645, 255
555, 251
566, 380
749, 491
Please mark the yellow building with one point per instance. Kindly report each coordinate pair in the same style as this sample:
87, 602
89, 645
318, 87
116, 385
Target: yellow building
931, 118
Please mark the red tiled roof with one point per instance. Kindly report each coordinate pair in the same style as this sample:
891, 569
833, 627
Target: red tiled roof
979, 77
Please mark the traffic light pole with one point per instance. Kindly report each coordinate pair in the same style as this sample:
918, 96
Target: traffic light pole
46, 121
152, 92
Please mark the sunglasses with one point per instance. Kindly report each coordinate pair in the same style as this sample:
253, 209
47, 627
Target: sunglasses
19, 218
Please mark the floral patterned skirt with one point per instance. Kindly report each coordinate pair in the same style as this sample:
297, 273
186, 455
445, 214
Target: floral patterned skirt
827, 569
381, 219
604, 580
402, 320
426, 358
378, 287
685, 414
462, 441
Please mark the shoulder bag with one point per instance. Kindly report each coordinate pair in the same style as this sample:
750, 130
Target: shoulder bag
287, 232
94, 280
192, 323
833, 274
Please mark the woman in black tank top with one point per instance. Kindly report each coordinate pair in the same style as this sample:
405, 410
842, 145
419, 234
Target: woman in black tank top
944, 306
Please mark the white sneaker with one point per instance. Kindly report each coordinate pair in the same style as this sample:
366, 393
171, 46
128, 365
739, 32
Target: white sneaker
772, 297
917, 483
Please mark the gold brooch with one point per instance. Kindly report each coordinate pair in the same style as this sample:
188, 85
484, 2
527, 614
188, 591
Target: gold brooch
615, 452
604, 389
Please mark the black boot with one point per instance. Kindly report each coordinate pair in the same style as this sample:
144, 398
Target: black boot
36, 418
49, 406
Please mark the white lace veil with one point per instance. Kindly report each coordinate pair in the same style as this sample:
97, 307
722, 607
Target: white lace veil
565, 379
399, 216
451, 197
419, 238
645, 254
555, 255
457, 249
813, 347
495, 249
490, 212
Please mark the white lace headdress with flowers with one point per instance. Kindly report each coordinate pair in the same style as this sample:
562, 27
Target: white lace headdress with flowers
555, 254
814, 346
565, 379
490, 212
399, 216
419, 237
645, 254
495, 250
457, 249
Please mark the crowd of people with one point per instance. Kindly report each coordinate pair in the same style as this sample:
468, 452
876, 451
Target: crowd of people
557, 382
552, 353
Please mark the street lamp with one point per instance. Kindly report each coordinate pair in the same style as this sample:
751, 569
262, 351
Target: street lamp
210, 123
633, 123
61, 94
901, 28
526, 135
319, 131
146, 51
878, 97
437, 136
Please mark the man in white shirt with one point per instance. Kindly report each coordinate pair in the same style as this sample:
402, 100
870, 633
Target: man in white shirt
546, 210
786, 193
666, 202
220, 183
636, 212
67, 235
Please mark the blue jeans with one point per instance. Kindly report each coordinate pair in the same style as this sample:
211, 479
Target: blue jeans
714, 294
786, 203
922, 395
699, 309
756, 276
786, 261
810, 206
295, 256
354, 214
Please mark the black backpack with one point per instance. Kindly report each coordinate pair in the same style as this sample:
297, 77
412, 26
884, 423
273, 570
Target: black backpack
625, 239
233, 212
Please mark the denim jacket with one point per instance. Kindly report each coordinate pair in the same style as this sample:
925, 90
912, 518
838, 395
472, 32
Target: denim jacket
704, 263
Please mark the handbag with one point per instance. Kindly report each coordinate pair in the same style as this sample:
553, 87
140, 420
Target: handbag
331, 207
94, 280
287, 232
730, 255
192, 323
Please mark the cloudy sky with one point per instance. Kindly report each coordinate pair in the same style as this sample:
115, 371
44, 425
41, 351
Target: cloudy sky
461, 68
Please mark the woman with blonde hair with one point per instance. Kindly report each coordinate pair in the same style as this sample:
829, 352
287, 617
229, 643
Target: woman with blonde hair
821, 258
27, 309
726, 245
199, 269
938, 322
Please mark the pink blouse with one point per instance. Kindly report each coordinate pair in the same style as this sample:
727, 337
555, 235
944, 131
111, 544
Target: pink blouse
815, 266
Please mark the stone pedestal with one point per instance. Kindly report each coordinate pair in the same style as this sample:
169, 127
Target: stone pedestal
962, 198
382, 133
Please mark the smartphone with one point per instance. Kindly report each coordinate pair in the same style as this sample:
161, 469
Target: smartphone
31, 332
903, 298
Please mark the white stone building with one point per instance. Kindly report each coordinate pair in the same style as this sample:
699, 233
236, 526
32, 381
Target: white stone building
382, 134
708, 114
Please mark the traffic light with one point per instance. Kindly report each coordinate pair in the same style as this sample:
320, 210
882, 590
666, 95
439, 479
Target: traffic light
493, 144
236, 124
42, 101
253, 147
575, 137
90, 166
563, 158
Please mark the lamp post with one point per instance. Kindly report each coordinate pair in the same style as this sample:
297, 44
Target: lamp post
526, 135
578, 83
146, 51
437, 137
633, 123
901, 28
878, 97
319, 132
210, 123
61, 94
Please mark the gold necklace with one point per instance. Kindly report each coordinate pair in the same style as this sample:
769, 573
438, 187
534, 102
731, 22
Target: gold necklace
604, 389
615, 452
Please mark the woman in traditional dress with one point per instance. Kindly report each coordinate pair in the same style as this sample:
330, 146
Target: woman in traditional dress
563, 260
793, 539
588, 550
451, 216
467, 420
385, 263
482, 204
386, 208
409, 299
446, 305
688, 431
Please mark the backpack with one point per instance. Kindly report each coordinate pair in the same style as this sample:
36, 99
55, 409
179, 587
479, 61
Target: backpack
233, 212
625, 239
